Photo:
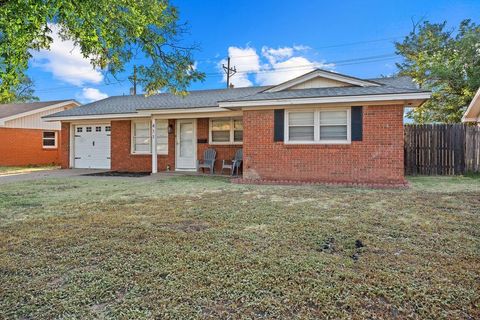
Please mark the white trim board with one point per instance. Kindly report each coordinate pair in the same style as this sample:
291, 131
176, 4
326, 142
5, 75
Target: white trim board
343, 99
186, 113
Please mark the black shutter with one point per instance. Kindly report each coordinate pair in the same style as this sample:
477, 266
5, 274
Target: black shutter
357, 130
278, 124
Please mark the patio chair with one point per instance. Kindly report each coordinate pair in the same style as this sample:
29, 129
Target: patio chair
233, 165
208, 161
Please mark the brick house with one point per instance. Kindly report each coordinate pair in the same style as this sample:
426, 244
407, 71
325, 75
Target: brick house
27, 139
319, 127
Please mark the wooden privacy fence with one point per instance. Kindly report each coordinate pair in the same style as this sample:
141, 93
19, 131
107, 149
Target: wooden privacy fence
442, 149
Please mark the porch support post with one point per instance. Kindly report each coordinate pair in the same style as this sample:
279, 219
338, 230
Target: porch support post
154, 146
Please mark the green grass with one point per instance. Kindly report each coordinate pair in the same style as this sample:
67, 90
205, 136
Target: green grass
200, 247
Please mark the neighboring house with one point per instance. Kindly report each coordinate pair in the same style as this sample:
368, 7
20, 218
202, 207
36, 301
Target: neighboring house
319, 127
27, 139
473, 111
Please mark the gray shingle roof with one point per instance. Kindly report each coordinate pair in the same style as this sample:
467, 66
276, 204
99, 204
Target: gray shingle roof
327, 92
211, 98
11, 109
399, 82
131, 104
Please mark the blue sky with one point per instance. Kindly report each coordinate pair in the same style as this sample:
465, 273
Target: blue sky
269, 41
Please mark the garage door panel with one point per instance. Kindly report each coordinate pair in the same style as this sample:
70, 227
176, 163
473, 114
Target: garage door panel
92, 146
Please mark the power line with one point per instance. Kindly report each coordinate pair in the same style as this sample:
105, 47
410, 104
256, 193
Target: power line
344, 62
336, 63
304, 67
324, 47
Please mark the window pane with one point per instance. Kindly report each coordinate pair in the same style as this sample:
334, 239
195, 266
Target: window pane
98, 129
333, 133
333, 117
142, 133
238, 124
49, 134
162, 129
238, 136
301, 118
162, 144
142, 148
89, 129
142, 129
301, 133
141, 137
79, 129
107, 128
162, 124
162, 148
220, 136
49, 142
142, 140
142, 126
220, 125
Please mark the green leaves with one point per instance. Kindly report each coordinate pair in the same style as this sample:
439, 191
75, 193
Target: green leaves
446, 62
109, 32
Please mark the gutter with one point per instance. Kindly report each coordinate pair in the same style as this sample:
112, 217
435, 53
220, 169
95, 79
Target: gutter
321, 100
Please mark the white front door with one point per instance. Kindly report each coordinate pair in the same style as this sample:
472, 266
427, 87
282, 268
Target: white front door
92, 146
186, 148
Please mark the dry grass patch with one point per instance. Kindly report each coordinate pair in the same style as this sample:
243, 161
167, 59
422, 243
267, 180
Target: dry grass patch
4, 171
200, 247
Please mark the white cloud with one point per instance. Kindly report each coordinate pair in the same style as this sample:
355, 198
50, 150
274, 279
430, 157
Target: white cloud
280, 64
288, 69
246, 61
273, 55
91, 94
65, 61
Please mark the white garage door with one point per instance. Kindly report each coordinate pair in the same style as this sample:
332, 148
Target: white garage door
92, 146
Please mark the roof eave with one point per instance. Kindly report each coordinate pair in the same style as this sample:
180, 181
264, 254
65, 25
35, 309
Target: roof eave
415, 99
141, 113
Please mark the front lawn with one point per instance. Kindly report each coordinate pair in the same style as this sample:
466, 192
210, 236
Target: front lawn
200, 247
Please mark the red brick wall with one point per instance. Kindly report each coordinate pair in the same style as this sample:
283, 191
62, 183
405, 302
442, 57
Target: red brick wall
123, 160
22, 147
65, 145
376, 159
224, 152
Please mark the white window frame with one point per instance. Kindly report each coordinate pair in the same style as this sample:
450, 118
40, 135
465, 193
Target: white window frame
316, 126
55, 139
132, 137
232, 131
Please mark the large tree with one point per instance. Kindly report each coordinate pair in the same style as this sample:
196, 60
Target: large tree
446, 62
23, 91
108, 32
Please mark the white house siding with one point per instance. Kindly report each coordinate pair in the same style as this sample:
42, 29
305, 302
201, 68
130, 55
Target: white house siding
319, 83
35, 121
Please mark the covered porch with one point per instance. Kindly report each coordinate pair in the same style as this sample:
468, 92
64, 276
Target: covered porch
180, 141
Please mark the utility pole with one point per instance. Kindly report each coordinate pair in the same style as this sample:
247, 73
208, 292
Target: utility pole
229, 71
133, 79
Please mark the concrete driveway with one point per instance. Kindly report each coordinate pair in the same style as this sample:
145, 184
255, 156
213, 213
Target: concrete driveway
42, 174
